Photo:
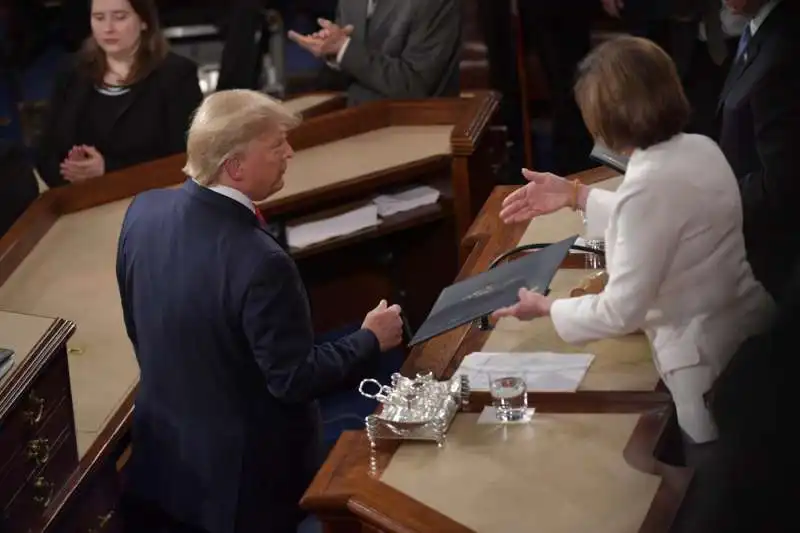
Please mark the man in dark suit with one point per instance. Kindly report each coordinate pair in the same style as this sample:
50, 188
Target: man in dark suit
226, 427
397, 49
760, 124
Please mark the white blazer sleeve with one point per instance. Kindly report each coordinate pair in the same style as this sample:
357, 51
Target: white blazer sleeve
599, 205
645, 237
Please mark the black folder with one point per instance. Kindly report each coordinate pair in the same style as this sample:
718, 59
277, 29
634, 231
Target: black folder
489, 291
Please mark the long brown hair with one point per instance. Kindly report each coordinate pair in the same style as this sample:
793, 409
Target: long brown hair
152, 50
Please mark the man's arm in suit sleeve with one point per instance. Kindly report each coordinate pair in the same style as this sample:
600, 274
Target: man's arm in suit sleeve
122, 284
277, 324
434, 39
646, 239
771, 193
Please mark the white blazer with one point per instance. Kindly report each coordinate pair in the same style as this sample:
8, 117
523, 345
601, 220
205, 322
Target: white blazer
677, 269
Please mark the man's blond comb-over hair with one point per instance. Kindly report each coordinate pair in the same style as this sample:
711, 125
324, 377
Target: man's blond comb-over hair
225, 123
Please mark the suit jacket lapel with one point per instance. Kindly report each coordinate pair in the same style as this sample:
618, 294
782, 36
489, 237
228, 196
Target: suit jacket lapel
355, 13
749, 56
383, 10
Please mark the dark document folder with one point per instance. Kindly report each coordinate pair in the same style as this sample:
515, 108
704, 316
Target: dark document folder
489, 291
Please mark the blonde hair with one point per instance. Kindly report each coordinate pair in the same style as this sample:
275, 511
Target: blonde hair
224, 124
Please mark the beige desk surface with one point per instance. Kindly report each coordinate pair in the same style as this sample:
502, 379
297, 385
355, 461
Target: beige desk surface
620, 364
562, 473
353, 157
21, 333
71, 272
302, 103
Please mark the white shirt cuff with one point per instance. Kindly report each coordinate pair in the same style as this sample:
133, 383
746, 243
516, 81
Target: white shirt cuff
342, 51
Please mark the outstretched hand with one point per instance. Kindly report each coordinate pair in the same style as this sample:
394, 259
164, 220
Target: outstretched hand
545, 193
530, 305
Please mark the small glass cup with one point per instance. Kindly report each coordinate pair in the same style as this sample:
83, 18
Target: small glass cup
509, 395
594, 243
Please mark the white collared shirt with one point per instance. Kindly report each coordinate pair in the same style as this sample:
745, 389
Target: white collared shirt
231, 193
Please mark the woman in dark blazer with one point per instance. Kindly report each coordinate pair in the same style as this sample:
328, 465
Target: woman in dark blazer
125, 99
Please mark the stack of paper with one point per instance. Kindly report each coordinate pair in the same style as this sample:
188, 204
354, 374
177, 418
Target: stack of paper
390, 204
543, 371
309, 233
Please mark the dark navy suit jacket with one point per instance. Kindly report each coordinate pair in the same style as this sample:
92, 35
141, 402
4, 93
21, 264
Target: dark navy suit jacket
226, 427
760, 127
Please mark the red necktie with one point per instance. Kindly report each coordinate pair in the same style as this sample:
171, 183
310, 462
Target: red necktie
260, 215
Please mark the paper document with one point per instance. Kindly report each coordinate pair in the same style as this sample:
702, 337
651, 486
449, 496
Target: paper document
391, 204
317, 231
544, 371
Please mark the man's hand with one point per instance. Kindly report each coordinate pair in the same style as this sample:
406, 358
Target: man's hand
83, 163
326, 42
385, 322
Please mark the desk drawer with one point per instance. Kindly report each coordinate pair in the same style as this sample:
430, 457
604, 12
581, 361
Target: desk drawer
97, 508
36, 453
26, 420
30, 502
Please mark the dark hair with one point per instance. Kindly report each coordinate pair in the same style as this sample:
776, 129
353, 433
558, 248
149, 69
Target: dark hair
630, 95
152, 50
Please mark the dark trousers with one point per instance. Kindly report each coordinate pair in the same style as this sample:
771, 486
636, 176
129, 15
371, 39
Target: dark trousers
144, 517
706, 507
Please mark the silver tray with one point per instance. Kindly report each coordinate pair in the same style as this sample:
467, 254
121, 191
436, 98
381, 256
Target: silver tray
419, 408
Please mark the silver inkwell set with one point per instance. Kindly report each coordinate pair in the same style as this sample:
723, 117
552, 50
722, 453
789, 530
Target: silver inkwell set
419, 408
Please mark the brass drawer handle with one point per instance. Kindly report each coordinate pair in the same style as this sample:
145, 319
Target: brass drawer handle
35, 414
39, 451
102, 520
45, 489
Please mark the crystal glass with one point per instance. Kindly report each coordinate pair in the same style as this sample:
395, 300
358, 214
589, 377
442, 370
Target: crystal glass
509, 395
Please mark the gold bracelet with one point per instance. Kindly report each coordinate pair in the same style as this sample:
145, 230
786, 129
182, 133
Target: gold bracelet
576, 186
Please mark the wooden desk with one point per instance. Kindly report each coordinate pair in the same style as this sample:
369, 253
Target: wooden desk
58, 259
316, 104
587, 462
37, 429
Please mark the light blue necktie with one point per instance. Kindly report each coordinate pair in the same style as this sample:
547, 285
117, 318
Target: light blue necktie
744, 41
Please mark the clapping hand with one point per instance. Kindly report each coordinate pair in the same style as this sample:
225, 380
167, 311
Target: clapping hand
83, 163
530, 305
326, 42
545, 193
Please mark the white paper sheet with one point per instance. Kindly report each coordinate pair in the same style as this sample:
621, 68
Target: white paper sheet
544, 371
391, 204
303, 235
